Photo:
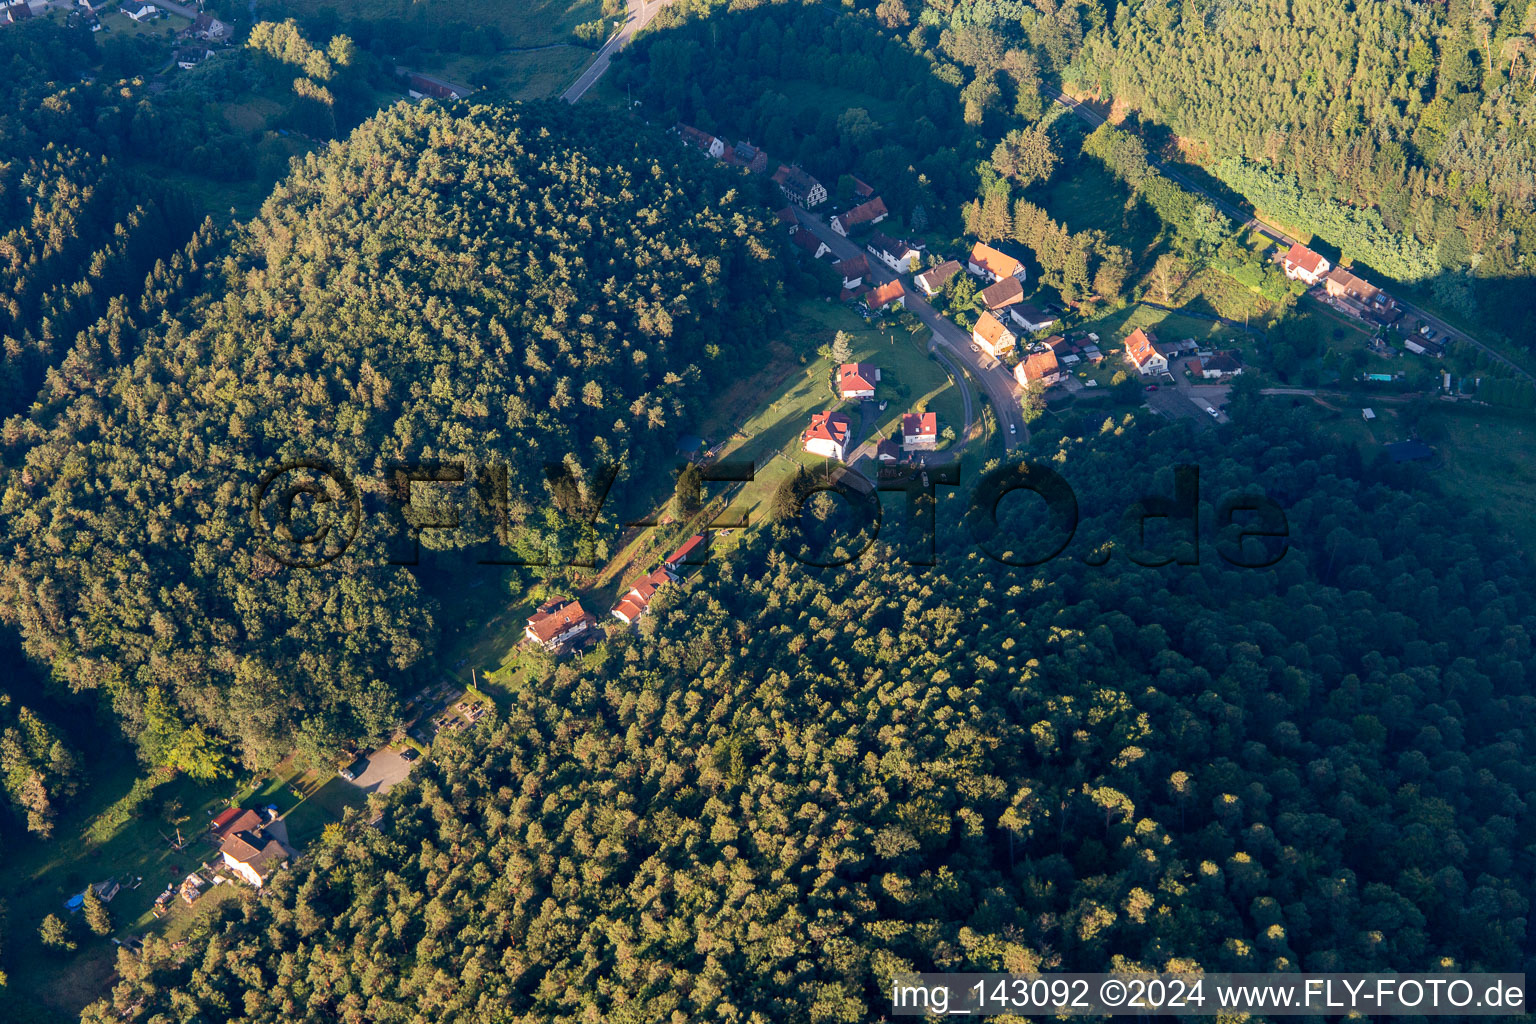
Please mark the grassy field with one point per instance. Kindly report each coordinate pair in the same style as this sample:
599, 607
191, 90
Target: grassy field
531, 23
1490, 460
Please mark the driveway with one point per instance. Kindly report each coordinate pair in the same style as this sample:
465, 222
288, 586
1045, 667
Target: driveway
385, 769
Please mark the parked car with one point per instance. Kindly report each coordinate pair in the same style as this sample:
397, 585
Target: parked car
1151, 387
409, 754
353, 770
1213, 412
1013, 428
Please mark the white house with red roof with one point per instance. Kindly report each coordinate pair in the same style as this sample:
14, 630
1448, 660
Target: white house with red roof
1302, 264
872, 212
1141, 352
827, 435
992, 337
919, 430
637, 600
854, 269
558, 621
697, 543
892, 293
857, 380
1040, 368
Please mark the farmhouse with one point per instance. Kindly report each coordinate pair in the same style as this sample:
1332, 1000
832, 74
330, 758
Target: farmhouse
1039, 368
827, 435
992, 336
1302, 264
933, 280
857, 380
1004, 293
798, 187
253, 855
1141, 352
889, 294
872, 212
558, 621
637, 600
987, 262
919, 430
701, 140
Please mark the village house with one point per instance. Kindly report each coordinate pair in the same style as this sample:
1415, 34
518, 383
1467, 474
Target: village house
889, 294
139, 12
1359, 298
986, 262
853, 269
900, 256
558, 621
1141, 352
211, 29
189, 57
698, 543
1005, 292
857, 380
1302, 264
637, 600
19, 10
827, 435
919, 430
420, 87
933, 280
798, 187
1222, 364
692, 136
744, 154
1040, 368
861, 188
234, 820
789, 217
1424, 346
809, 243
870, 213
888, 452
1030, 318
253, 855
993, 338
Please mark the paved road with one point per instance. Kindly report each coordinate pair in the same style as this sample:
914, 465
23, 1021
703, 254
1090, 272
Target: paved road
1002, 391
640, 14
1249, 221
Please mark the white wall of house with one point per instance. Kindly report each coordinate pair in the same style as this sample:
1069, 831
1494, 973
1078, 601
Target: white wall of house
827, 449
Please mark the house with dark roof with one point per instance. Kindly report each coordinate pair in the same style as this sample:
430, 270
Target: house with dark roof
20, 10
744, 154
1359, 298
1029, 317
809, 243
798, 187
557, 622
827, 435
933, 280
1005, 292
857, 380
1222, 364
420, 86
899, 255
868, 213
253, 855
1302, 264
209, 29
701, 140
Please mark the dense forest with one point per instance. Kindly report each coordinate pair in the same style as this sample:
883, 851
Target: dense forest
508, 289
803, 780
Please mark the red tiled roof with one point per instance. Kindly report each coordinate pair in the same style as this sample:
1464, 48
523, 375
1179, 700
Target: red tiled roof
855, 377
1040, 365
886, 294
853, 266
234, 820
920, 424
687, 548
863, 212
805, 240
550, 622
861, 188
787, 215
1140, 345
695, 137
995, 262
1300, 256
827, 426
990, 329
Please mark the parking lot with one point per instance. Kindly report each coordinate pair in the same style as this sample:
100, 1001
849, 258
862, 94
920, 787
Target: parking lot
385, 769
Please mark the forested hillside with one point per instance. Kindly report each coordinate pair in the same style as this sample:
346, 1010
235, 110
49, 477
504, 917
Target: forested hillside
506, 288
805, 779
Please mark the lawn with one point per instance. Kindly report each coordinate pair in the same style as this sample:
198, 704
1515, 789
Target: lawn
527, 75
530, 23
325, 805
1490, 460
1112, 330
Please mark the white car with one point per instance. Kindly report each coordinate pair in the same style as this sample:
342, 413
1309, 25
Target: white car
1213, 412
1013, 428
